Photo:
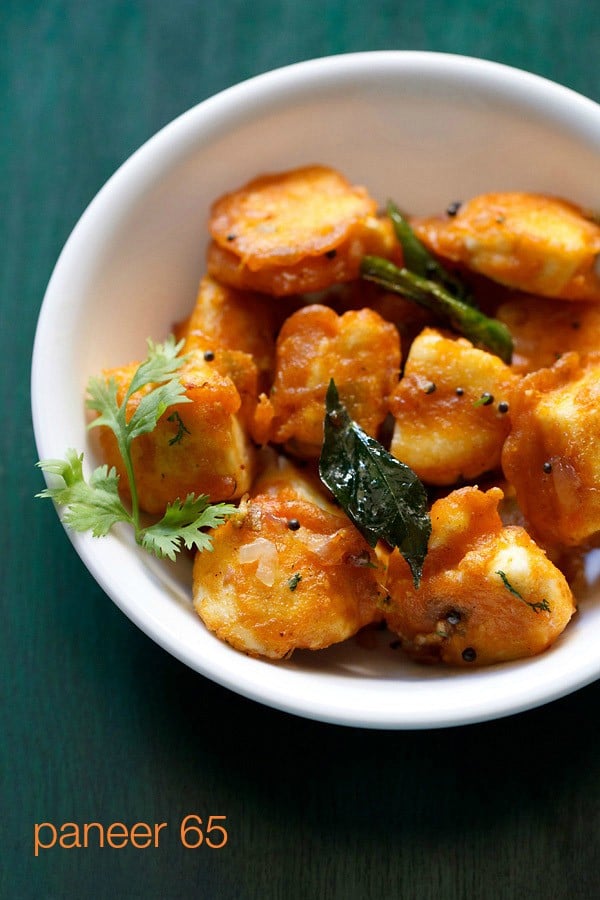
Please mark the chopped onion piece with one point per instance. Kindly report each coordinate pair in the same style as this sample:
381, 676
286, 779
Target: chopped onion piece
265, 553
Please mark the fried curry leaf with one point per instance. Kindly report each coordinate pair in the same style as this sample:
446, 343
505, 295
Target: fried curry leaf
481, 330
380, 494
419, 260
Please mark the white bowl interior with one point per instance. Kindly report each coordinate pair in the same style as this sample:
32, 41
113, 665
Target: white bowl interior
423, 129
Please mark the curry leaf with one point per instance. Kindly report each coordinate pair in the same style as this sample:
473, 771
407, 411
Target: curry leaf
419, 260
483, 331
380, 494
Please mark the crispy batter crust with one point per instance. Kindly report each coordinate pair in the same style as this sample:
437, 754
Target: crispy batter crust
465, 612
539, 244
295, 232
551, 455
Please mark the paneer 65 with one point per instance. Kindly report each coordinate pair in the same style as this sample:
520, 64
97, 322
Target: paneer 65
488, 592
289, 572
543, 329
199, 446
294, 232
358, 349
450, 409
538, 244
551, 456
229, 319
318, 316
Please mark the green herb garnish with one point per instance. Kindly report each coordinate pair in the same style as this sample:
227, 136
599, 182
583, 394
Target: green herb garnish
95, 505
181, 428
294, 581
536, 607
380, 494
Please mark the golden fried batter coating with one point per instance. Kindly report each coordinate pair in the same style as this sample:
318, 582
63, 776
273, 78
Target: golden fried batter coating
288, 573
488, 592
226, 318
295, 232
542, 329
282, 218
538, 244
198, 447
358, 349
289, 570
551, 456
450, 409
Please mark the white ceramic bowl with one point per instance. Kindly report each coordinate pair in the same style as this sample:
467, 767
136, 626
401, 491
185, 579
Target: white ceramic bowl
422, 128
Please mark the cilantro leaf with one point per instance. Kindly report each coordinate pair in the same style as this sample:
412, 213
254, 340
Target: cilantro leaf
182, 524
90, 506
102, 397
153, 405
158, 377
95, 505
160, 370
162, 362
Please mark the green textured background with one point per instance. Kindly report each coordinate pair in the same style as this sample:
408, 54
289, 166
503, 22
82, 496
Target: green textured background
100, 724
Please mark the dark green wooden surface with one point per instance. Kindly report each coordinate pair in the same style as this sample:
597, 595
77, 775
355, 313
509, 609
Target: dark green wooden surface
100, 724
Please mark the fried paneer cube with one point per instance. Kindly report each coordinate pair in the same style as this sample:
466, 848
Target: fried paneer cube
358, 349
198, 446
450, 409
289, 572
488, 593
228, 319
552, 455
536, 243
295, 232
542, 330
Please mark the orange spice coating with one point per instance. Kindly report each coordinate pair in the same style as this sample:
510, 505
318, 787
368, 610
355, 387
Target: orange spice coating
212, 454
551, 455
295, 232
544, 329
269, 589
445, 428
538, 244
358, 349
224, 317
284, 217
488, 592
466, 613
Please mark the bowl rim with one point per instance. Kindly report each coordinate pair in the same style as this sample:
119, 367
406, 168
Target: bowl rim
576, 112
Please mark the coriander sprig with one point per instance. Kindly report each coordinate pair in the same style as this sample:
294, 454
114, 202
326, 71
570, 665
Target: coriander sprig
160, 368
95, 505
